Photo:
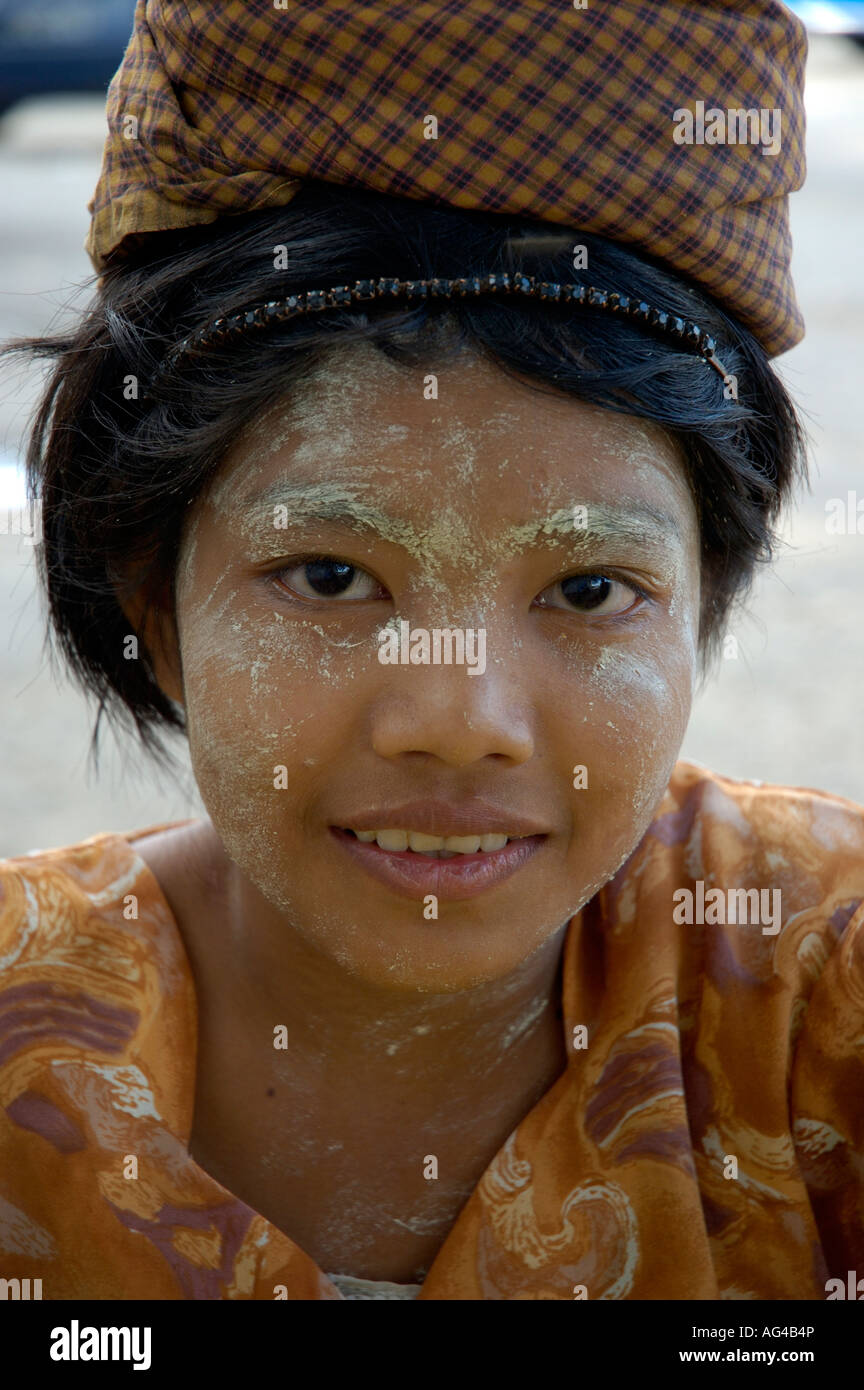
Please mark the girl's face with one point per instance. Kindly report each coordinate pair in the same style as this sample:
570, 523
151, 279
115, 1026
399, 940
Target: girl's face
558, 541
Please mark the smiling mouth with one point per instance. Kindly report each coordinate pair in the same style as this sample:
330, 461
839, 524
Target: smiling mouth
434, 846
421, 869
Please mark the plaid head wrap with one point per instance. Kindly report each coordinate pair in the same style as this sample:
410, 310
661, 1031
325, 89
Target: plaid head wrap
539, 108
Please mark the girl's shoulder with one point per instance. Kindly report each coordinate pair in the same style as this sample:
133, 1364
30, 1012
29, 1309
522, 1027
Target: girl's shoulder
88, 917
97, 1047
764, 874
736, 823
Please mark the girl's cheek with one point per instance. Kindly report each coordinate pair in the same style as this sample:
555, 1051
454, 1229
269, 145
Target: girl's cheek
266, 712
264, 699
626, 719
622, 744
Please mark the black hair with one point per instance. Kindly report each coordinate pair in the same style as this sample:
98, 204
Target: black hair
116, 472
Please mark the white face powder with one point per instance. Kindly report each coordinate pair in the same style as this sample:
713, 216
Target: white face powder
463, 510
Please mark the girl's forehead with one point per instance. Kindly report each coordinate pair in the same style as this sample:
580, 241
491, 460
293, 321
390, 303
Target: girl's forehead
487, 472
359, 418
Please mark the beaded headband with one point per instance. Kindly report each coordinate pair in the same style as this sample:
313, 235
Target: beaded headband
276, 311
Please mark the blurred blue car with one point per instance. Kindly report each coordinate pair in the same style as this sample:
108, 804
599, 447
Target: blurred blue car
66, 46
77, 45
830, 16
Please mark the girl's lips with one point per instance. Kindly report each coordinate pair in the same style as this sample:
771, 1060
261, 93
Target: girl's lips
414, 875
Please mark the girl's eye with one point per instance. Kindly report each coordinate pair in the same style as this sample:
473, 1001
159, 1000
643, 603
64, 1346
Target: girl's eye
324, 576
597, 594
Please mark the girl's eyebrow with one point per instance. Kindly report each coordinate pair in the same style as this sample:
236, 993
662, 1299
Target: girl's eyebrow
634, 521
321, 502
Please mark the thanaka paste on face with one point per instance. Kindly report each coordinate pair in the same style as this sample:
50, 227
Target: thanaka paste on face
262, 681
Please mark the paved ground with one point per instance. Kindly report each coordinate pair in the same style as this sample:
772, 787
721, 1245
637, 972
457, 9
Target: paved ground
788, 709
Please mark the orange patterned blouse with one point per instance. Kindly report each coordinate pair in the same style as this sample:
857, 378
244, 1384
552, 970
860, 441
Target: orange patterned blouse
706, 1139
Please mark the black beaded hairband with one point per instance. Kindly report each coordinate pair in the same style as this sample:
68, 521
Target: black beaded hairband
276, 311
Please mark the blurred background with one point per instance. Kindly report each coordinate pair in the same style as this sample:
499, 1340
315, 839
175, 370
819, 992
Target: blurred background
784, 705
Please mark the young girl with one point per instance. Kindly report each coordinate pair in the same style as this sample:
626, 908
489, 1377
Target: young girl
418, 507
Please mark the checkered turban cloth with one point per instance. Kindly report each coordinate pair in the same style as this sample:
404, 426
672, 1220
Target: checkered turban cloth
543, 109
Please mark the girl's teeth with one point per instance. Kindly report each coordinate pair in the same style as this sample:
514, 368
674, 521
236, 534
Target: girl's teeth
490, 842
422, 843
392, 839
462, 844
436, 846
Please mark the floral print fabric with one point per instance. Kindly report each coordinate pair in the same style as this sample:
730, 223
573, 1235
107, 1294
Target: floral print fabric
706, 1139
